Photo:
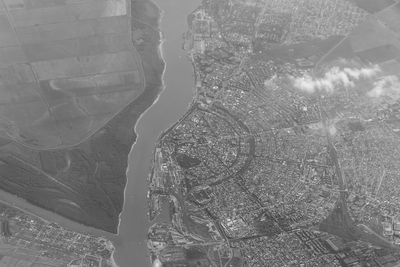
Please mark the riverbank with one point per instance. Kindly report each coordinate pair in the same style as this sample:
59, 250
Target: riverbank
46, 215
169, 106
152, 82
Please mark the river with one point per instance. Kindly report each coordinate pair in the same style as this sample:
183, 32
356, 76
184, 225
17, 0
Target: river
131, 249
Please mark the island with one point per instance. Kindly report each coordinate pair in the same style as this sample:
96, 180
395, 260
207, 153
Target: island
289, 152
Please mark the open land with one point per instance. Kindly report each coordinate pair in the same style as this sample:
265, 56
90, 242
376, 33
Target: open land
75, 78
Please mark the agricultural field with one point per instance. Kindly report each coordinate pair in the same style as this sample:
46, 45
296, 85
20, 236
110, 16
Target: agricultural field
73, 82
63, 77
373, 6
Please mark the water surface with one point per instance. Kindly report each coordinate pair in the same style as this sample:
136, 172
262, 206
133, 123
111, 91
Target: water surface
131, 251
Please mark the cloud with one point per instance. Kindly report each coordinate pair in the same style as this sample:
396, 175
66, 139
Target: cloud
330, 128
335, 77
157, 263
387, 86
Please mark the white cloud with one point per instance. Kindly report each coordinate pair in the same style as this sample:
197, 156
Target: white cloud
157, 263
388, 86
330, 128
335, 77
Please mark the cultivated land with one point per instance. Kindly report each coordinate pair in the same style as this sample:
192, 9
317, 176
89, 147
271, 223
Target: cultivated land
75, 77
288, 155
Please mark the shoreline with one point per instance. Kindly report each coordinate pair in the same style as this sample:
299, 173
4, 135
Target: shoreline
191, 105
65, 225
157, 89
50, 216
146, 174
162, 88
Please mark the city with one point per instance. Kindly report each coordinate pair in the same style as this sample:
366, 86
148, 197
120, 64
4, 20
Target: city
27, 240
288, 156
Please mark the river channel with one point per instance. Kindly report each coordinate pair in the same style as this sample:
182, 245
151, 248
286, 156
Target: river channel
131, 249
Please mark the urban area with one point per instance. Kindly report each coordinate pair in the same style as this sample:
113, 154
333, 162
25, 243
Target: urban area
288, 155
27, 240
